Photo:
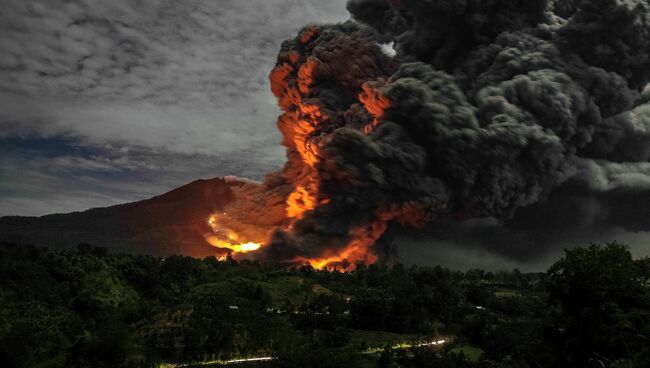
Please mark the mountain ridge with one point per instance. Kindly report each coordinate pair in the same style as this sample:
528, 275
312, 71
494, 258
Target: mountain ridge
170, 223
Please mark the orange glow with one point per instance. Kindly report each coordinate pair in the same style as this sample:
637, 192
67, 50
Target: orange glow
300, 201
308, 34
237, 248
375, 102
359, 249
225, 238
222, 258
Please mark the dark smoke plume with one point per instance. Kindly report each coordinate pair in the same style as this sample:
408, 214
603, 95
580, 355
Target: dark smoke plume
528, 112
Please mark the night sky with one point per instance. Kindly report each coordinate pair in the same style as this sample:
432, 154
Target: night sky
109, 102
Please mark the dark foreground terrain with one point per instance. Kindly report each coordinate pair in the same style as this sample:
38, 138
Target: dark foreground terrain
90, 308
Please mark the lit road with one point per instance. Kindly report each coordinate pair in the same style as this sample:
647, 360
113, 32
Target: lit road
217, 362
269, 358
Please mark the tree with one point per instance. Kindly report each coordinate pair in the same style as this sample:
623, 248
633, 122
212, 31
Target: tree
591, 277
602, 292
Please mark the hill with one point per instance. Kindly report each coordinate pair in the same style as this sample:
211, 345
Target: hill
171, 223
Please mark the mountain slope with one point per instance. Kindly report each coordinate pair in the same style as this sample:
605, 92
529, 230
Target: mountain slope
171, 223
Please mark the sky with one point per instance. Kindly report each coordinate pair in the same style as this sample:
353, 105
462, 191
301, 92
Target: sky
105, 102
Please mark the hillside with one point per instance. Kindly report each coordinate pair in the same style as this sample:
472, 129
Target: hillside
171, 223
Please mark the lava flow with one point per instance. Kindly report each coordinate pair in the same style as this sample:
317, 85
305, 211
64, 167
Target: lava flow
225, 238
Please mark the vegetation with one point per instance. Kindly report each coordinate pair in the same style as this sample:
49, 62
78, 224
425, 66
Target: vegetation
92, 308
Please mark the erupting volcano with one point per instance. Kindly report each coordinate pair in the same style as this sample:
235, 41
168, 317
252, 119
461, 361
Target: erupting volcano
485, 107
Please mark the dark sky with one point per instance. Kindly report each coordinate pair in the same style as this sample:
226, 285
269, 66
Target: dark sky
114, 101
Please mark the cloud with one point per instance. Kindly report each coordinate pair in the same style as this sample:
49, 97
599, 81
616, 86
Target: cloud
427, 250
159, 93
171, 128
39, 176
180, 52
601, 175
188, 76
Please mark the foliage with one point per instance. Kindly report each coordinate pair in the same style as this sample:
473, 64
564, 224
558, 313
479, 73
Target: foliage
90, 307
606, 302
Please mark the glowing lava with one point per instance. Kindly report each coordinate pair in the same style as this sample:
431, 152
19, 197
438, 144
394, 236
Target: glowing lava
222, 237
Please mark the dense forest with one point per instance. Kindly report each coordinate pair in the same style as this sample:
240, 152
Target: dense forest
93, 308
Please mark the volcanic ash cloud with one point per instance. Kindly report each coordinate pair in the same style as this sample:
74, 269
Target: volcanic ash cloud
486, 108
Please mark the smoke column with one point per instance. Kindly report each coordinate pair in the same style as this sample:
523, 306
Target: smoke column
487, 109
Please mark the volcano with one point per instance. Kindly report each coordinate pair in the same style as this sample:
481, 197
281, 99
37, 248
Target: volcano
483, 110
171, 223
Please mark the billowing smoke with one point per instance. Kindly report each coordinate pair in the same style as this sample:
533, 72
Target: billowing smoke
488, 109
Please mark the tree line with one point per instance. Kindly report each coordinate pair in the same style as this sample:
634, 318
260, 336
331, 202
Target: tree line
92, 308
